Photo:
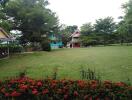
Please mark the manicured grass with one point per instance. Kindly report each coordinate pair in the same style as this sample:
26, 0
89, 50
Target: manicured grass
111, 62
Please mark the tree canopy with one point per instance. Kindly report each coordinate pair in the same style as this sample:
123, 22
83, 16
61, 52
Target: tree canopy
87, 29
105, 26
31, 17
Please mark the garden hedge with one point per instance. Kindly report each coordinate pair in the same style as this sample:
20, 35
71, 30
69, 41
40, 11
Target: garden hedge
25, 88
12, 49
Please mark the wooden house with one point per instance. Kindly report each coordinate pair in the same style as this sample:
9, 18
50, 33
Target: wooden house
75, 40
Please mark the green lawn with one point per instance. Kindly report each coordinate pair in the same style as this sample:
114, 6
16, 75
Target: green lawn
111, 62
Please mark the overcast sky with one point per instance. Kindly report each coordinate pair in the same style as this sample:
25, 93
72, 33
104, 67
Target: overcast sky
78, 12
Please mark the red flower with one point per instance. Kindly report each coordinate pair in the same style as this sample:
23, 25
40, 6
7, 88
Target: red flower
39, 84
94, 82
59, 91
9, 85
53, 85
31, 87
23, 87
106, 98
7, 94
15, 94
97, 98
35, 92
107, 82
63, 81
86, 97
81, 84
45, 91
3, 90
65, 97
75, 93
120, 84
130, 88
94, 86
91, 98
13, 81
33, 82
65, 89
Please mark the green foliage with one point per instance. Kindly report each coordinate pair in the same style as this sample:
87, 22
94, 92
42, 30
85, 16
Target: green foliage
89, 40
125, 26
45, 45
128, 11
89, 74
12, 48
25, 88
31, 17
122, 32
87, 29
4, 23
105, 26
102, 32
66, 32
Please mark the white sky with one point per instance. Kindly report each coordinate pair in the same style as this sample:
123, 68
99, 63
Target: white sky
78, 12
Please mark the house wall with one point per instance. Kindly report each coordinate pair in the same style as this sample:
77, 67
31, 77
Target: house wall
55, 41
56, 45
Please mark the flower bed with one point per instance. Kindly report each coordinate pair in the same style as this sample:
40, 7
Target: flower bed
49, 89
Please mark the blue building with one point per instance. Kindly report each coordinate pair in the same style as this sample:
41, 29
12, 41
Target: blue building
55, 41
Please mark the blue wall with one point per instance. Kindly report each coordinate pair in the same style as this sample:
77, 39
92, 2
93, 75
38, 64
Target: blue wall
57, 41
56, 45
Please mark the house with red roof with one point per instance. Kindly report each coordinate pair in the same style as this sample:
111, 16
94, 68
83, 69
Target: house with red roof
75, 40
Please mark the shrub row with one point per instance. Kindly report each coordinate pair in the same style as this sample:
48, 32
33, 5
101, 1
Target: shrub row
48, 89
12, 49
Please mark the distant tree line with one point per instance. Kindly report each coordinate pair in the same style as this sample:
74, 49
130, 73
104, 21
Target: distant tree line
35, 21
102, 32
105, 31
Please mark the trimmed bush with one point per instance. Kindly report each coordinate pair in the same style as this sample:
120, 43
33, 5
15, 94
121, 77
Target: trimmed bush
25, 88
12, 49
45, 45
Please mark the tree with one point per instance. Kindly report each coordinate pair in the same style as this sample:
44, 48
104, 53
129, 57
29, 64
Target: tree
122, 30
87, 29
126, 27
4, 23
105, 27
87, 35
66, 32
32, 18
128, 11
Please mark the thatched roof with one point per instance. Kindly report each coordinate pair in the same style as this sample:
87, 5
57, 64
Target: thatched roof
4, 35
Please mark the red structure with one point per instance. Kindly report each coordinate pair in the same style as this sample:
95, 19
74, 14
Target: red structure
75, 40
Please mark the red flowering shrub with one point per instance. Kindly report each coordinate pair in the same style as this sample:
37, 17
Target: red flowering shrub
48, 89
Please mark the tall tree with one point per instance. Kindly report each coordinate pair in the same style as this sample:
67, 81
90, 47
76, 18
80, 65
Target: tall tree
4, 23
124, 28
31, 17
105, 27
128, 11
87, 35
127, 25
87, 29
